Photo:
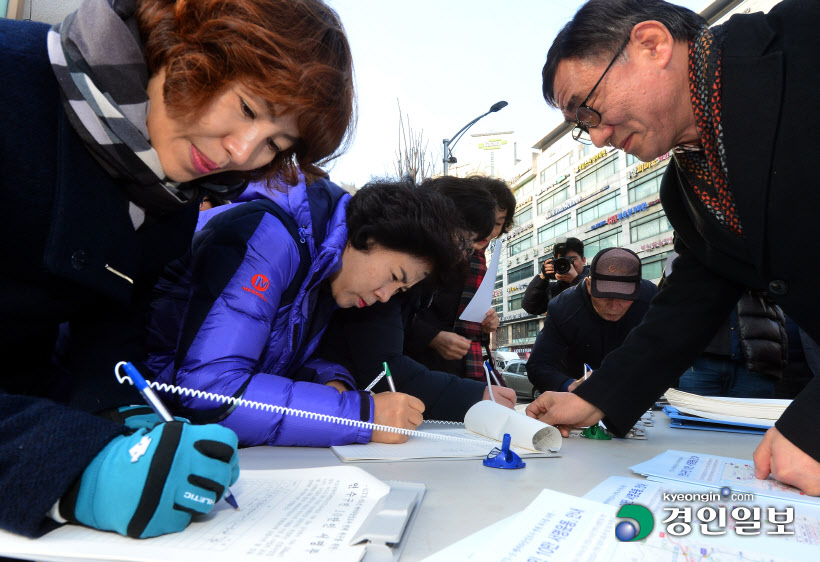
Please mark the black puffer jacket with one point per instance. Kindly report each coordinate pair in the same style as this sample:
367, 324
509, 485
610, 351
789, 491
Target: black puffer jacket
755, 331
762, 327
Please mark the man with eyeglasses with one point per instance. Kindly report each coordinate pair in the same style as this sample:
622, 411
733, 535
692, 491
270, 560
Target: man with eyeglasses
550, 283
734, 104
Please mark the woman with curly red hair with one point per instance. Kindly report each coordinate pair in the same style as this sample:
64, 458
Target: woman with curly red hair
116, 123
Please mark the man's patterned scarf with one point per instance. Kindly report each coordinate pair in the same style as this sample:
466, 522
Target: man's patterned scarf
705, 169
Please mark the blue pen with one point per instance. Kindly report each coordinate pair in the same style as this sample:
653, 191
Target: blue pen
156, 404
587, 371
492, 372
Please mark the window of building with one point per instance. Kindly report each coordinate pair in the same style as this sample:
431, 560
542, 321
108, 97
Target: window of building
631, 160
653, 266
499, 280
521, 244
646, 185
502, 336
498, 305
553, 229
522, 330
514, 302
646, 227
521, 272
593, 245
554, 199
601, 208
591, 178
524, 216
556, 168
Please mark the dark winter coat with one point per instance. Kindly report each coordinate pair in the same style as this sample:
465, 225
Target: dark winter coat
769, 64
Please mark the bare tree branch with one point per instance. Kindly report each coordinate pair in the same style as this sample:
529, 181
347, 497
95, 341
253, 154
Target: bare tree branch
413, 159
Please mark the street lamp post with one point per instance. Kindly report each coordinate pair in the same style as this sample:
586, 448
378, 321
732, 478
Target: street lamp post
450, 144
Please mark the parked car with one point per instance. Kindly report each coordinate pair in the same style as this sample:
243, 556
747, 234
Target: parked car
503, 358
515, 377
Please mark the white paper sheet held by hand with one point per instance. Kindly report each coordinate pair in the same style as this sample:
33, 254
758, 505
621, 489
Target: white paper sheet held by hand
476, 309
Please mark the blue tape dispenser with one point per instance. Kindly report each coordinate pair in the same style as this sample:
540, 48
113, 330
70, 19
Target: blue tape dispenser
503, 457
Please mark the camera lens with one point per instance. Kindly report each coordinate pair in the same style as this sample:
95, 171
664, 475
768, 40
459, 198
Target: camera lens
561, 265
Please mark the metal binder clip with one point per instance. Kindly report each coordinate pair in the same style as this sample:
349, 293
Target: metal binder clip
504, 457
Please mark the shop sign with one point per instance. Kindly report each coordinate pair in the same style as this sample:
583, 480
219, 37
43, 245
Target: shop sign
574, 201
519, 230
657, 244
625, 214
494, 144
558, 180
643, 166
590, 161
518, 287
514, 316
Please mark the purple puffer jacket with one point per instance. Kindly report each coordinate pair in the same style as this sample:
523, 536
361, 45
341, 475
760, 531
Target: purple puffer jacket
218, 317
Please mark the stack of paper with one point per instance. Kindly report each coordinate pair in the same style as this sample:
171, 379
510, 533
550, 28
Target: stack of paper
757, 411
717, 472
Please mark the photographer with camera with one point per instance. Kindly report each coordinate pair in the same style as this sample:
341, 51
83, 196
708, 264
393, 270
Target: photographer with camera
566, 269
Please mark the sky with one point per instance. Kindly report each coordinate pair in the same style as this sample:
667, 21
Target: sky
446, 62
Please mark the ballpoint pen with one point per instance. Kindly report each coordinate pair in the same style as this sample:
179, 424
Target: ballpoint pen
156, 404
491, 370
489, 384
587, 371
389, 378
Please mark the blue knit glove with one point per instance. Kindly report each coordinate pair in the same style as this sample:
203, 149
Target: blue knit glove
151, 482
138, 417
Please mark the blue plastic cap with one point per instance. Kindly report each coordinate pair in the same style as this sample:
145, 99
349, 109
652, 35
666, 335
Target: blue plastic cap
504, 457
135, 376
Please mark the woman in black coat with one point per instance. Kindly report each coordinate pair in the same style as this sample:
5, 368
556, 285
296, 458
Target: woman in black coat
115, 124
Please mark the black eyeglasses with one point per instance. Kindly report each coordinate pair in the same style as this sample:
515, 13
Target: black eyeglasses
587, 118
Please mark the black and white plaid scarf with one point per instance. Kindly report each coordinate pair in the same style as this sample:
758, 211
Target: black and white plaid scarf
97, 56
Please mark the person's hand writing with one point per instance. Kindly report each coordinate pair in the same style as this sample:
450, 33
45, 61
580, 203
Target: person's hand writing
490, 322
503, 396
396, 409
450, 345
564, 410
779, 457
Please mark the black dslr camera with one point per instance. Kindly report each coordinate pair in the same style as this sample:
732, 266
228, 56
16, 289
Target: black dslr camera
563, 264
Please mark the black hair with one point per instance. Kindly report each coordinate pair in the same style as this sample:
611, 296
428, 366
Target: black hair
414, 221
474, 203
504, 200
569, 245
600, 27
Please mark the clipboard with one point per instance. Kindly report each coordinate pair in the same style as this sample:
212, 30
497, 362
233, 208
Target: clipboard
387, 527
